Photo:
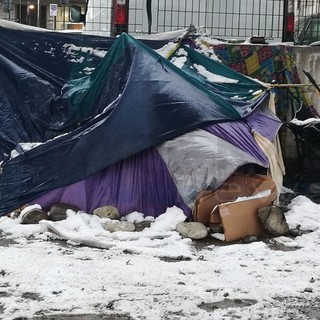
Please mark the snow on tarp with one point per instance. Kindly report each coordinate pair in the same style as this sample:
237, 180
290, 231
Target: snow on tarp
35, 67
220, 79
133, 100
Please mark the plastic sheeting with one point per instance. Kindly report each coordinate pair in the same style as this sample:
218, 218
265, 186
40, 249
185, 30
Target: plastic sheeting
36, 68
132, 101
226, 83
140, 183
57, 56
199, 160
152, 180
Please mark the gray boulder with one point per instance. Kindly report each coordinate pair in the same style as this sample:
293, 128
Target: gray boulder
192, 230
107, 212
34, 216
58, 211
139, 226
114, 226
273, 220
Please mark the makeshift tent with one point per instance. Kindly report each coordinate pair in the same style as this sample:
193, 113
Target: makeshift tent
136, 132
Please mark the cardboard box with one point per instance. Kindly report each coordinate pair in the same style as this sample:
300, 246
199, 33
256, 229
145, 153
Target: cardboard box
238, 218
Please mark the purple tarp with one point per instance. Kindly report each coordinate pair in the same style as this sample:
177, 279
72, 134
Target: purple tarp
140, 183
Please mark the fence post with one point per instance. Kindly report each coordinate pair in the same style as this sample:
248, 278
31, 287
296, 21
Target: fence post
119, 17
288, 21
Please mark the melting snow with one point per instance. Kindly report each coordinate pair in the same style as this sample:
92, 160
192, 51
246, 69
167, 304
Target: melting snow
213, 77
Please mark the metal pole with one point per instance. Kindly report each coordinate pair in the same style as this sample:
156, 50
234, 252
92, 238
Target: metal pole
20, 19
64, 16
38, 14
28, 13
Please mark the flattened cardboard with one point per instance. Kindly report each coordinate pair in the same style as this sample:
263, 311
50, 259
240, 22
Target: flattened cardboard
239, 219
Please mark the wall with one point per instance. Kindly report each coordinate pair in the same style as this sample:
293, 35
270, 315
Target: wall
308, 58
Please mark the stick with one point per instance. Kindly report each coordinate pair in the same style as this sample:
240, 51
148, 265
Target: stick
309, 76
183, 36
286, 85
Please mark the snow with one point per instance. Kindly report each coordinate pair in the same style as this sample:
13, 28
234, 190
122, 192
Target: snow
167, 36
71, 49
154, 273
167, 49
18, 26
23, 147
215, 78
259, 195
138, 217
179, 61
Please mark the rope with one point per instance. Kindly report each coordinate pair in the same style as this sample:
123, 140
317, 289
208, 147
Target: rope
286, 85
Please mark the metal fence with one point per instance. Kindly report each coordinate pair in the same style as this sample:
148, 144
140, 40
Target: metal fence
224, 18
237, 19
221, 18
307, 27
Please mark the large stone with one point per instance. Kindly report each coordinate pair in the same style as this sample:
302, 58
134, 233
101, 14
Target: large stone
273, 220
107, 212
114, 226
33, 216
139, 226
192, 230
58, 211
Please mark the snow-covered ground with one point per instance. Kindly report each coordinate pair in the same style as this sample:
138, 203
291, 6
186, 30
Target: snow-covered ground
156, 274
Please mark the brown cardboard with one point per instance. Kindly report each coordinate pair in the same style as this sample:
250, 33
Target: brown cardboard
239, 219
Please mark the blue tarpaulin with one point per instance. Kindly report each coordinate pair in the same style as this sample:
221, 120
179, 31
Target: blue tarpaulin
88, 114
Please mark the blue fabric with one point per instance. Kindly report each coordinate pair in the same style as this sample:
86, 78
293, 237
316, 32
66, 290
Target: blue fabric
240, 91
50, 54
36, 68
133, 100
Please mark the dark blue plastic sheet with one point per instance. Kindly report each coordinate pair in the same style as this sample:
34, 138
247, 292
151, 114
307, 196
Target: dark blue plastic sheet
133, 100
35, 68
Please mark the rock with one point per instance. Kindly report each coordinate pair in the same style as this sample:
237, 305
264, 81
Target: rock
58, 211
216, 228
34, 216
273, 220
139, 226
116, 225
314, 188
250, 239
192, 230
238, 301
107, 212
294, 232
